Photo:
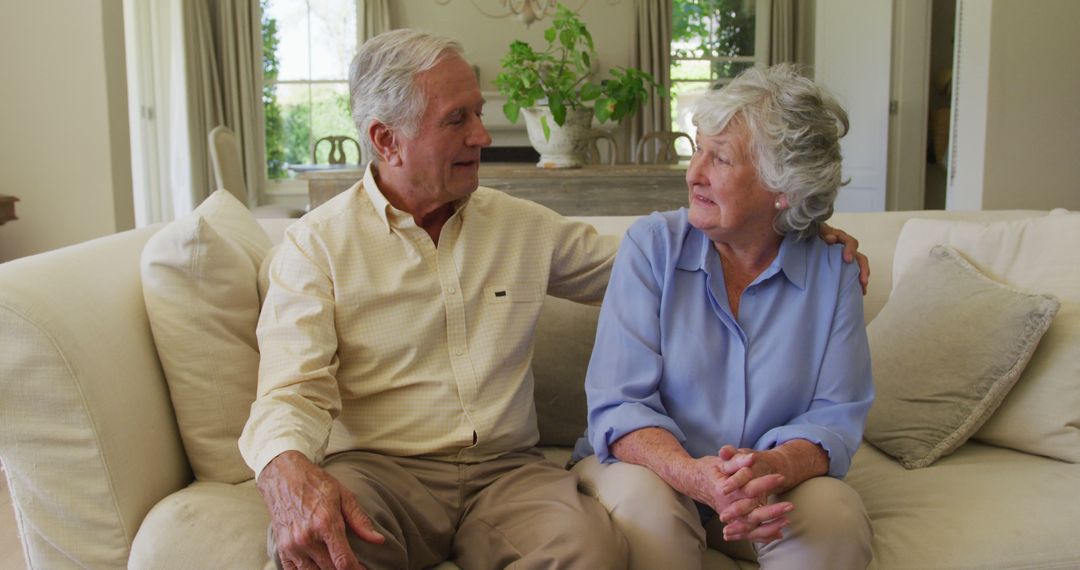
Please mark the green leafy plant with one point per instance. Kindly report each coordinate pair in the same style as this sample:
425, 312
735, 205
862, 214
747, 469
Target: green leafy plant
561, 77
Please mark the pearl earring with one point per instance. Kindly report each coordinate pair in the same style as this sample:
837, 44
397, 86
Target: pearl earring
781, 202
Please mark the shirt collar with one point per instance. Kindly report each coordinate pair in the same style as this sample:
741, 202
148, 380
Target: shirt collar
386, 211
375, 195
791, 261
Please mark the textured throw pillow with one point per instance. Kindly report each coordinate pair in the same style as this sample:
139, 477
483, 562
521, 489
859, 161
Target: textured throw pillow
947, 347
199, 283
1041, 415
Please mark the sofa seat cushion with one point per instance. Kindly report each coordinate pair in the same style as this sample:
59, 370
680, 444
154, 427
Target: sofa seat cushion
206, 525
980, 507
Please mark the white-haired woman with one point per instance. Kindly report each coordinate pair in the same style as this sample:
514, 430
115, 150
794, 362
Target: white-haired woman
730, 380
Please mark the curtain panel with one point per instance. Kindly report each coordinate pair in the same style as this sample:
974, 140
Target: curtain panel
223, 69
652, 36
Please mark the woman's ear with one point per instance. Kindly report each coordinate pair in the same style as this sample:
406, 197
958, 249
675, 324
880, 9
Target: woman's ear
385, 141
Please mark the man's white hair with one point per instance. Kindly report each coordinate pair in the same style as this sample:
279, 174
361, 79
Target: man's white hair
382, 80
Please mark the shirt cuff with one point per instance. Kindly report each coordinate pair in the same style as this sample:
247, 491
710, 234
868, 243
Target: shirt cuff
609, 426
268, 451
839, 452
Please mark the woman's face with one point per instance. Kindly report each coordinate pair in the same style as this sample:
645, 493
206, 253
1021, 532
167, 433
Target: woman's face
728, 202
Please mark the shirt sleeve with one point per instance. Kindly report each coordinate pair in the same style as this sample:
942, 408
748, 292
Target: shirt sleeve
581, 260
845, 389
298, 395
622, 384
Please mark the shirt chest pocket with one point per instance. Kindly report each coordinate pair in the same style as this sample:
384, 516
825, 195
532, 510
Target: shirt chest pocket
515, 292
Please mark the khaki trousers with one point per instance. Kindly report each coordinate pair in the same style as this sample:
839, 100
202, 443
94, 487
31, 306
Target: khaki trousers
517, 511
829, 527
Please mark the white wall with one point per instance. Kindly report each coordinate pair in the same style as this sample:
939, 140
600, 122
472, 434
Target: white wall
1033, 115
1018, 127
64, 150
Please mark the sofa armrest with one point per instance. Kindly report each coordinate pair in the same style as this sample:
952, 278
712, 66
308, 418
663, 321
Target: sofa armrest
87, 432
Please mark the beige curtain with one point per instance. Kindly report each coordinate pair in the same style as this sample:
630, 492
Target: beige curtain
792, 32
653, 54
372, 19
223, 68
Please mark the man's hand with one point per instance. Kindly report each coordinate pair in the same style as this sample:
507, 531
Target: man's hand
731, 487
308, 511
832, 235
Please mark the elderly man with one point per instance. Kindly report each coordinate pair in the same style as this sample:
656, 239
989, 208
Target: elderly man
394, 422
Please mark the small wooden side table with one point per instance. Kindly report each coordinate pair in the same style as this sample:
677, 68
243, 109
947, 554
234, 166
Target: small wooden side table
7, 208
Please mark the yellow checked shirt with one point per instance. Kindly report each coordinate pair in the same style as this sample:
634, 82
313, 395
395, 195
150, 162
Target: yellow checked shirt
374, 339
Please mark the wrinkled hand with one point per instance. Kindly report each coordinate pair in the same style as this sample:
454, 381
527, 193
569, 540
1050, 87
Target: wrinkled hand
308, 511
751, 517
832, 235
729, 484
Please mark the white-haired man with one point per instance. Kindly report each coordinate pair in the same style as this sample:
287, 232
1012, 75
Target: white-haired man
394, 423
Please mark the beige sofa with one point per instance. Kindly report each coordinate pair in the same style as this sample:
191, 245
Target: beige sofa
99, 477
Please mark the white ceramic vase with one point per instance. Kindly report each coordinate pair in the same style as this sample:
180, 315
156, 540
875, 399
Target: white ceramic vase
565, 148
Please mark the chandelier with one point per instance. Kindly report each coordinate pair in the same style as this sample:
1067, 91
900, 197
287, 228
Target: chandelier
525, 11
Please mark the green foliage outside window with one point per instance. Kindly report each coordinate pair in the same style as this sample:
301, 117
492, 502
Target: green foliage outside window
275, 135
298, 113
709, 29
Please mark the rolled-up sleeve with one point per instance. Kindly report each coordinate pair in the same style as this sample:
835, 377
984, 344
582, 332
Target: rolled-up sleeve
298, 396
624, 374
845, 390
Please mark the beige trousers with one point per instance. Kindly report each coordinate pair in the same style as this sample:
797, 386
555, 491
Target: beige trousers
518, 511
829, 527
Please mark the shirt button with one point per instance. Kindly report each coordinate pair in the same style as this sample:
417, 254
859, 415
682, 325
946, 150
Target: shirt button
451, 290
459, 352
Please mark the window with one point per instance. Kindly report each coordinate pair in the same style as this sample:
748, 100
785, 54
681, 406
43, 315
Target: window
307, 47
711, 42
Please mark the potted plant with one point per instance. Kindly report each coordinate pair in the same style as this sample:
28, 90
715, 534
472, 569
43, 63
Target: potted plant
556, 92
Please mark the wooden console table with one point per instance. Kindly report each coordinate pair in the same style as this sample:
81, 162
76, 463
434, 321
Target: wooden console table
595, 190
7, 209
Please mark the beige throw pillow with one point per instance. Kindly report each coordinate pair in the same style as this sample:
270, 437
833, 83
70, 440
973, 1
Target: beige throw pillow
1041, 414
947, 347
199, 283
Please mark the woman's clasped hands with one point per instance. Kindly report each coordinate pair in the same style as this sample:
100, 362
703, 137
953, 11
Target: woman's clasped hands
737, 484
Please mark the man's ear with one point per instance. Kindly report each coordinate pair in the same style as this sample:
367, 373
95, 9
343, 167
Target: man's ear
386, 143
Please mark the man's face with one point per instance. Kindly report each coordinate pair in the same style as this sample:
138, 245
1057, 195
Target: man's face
442, 161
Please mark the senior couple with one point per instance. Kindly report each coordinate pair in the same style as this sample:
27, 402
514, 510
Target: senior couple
395, 427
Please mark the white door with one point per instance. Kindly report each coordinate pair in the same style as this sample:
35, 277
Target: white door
852, 59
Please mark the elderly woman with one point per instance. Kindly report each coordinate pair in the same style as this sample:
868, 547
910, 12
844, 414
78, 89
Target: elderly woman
730, 379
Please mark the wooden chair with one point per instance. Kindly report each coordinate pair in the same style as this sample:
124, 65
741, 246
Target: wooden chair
337, 149
592, 148
658, 147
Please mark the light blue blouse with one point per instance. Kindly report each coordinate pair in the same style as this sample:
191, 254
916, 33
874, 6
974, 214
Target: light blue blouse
669, 353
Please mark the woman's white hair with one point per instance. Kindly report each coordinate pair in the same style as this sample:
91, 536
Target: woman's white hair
795, 128
382, 76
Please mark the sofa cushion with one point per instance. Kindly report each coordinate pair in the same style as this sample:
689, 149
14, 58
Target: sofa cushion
199, 284
1041, 414
564, 341
176, 532
980, 507
947, 346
